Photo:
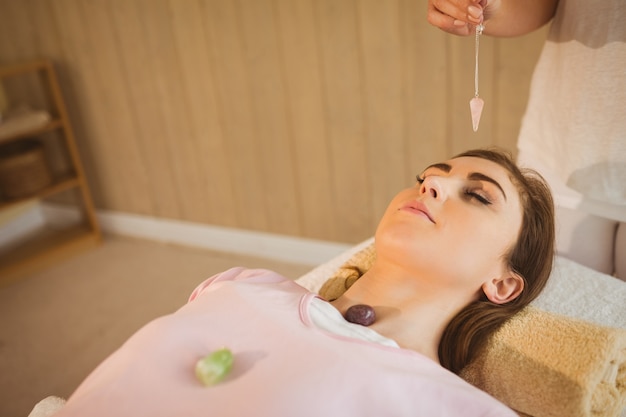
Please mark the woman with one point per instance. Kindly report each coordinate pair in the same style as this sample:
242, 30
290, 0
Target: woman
457, 255
574, 128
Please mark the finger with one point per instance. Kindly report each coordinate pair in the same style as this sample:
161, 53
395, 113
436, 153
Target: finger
452, 26
469, 11
455, 9
447, 23
464, 30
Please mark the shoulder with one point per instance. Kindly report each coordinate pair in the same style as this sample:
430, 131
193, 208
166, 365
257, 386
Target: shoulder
240, 274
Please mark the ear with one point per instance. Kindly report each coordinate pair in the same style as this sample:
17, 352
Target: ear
504, 289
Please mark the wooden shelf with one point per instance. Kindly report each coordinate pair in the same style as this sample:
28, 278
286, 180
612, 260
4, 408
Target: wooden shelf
23, 67
59, 185
47, 247
39, 130
42, 247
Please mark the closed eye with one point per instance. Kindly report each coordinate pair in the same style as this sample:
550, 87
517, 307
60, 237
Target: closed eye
472, 193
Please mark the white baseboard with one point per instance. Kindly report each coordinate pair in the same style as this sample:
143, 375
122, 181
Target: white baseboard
20, 223
265, 245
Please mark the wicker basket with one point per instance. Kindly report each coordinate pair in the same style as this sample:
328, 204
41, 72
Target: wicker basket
23, 169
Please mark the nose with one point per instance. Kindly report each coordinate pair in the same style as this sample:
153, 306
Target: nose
434, 187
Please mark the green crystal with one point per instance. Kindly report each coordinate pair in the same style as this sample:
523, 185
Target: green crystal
214, 367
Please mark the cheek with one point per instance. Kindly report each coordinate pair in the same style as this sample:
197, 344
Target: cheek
480, 244
401, 237
389, 216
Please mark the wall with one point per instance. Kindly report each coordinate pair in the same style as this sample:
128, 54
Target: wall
298, 117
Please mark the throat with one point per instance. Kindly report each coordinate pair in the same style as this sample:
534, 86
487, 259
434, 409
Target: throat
407, 331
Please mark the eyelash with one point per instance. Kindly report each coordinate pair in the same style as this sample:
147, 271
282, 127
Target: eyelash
482, 199
468, 192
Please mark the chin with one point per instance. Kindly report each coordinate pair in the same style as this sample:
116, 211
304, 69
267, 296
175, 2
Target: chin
407, 252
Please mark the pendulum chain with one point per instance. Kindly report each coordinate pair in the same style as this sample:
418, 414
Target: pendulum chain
476, 103
479, 31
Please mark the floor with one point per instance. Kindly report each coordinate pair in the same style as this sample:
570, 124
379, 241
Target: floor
58, 324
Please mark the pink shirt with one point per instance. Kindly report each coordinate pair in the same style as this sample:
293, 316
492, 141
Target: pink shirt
284, 364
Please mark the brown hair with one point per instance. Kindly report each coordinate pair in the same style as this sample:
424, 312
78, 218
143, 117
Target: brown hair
531, 257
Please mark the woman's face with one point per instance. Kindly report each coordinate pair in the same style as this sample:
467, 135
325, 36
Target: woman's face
456, 224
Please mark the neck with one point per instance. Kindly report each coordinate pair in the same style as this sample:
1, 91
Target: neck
410, 311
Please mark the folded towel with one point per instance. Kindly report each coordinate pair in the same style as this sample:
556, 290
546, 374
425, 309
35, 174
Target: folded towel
539, 363
544, 364
47, 407
348, 273
21, 120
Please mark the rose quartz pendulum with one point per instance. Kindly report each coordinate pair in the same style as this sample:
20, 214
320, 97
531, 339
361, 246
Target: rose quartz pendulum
476, 108
476, 103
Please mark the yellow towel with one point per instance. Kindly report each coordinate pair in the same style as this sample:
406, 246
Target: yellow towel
543, 364
538, 363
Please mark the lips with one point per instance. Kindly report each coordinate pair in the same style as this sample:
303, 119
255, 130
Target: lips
419, 208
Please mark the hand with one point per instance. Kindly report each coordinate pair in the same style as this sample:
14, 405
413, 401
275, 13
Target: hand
459, 17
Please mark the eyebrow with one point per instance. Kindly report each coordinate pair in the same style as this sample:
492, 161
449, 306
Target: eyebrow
441, 166
475, 176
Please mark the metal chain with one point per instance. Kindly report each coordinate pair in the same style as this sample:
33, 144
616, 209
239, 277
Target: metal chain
479, 31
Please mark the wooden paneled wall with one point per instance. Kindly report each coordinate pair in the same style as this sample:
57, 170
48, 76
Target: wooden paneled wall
298, 117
